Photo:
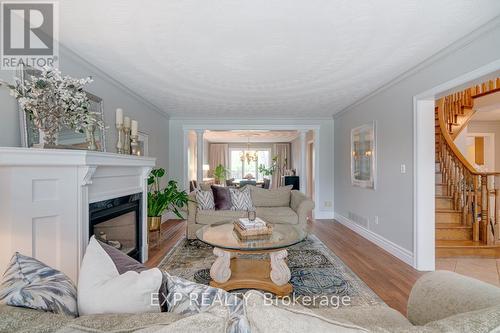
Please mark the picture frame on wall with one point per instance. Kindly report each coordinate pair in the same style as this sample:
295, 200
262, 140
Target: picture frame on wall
363, 156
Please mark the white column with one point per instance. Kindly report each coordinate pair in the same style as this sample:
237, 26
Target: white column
199, 156
303, 161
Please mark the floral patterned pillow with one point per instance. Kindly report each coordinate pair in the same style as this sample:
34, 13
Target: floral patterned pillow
30, 283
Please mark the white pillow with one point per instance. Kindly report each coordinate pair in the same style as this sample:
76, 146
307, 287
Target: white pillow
102, 289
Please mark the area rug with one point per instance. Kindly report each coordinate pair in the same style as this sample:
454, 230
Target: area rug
316, 271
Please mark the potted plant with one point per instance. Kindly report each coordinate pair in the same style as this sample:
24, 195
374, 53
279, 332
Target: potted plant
165, 199
267, 172
220, 174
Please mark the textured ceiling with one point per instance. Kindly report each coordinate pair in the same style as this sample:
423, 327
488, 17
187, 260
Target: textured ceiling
252, 136
263, 58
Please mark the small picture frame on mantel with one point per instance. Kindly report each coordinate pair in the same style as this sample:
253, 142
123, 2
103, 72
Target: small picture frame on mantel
363, 156
143, 141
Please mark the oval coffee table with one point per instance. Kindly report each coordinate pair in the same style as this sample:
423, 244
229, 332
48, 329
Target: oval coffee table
230, 272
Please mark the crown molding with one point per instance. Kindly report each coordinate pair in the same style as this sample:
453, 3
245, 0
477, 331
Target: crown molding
447, 50
222, 118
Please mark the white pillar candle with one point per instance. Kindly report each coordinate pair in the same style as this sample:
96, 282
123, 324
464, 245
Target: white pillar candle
135, 126
119, 116
126, 122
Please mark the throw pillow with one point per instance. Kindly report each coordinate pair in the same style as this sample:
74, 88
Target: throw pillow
106, 285
189, 298
266, 316
279, 197
30, 283
241, 199
222, 198
205, 199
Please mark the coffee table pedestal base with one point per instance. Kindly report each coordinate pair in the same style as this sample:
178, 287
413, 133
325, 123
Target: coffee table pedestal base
255, 274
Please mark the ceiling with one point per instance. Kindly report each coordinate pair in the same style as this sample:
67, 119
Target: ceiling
252, 136
262, 58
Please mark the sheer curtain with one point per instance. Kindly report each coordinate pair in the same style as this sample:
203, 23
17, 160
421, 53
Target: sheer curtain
282, 151
218, 154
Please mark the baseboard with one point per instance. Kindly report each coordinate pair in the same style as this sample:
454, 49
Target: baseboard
324, 214
394, 249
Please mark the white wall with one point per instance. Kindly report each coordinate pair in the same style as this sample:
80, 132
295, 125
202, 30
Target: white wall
392, 109
325, 125
114, 94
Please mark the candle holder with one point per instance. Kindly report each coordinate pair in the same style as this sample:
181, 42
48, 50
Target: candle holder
126, 140
119, 143
90, 132
134, 145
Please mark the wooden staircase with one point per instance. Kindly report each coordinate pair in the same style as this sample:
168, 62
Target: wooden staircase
467, 201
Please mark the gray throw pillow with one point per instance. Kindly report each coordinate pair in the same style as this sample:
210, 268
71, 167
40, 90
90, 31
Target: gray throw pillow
189, 298
30, 283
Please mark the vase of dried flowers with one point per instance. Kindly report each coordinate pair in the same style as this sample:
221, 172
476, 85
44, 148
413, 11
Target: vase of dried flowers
52, 101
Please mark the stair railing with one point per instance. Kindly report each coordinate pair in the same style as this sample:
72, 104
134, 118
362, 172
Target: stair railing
475, 194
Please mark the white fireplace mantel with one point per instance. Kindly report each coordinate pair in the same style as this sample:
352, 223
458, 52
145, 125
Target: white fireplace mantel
45, 196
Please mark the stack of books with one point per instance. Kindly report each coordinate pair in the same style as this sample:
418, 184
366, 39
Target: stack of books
246, 224
246, 228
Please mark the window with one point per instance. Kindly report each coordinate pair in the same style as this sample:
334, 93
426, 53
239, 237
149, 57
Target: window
239, 169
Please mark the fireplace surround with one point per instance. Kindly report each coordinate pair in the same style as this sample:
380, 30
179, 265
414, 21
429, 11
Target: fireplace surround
50, 197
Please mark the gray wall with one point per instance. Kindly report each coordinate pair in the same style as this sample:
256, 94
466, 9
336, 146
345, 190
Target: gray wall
392, 109
114, 95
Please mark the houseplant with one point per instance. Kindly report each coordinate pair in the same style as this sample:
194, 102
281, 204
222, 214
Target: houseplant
52, 101
161, 199
267, 172
220, 174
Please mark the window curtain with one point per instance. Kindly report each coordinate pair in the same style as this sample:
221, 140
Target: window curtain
218, 154
282, 151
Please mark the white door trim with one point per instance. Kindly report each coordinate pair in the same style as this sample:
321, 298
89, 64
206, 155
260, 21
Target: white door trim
423, 185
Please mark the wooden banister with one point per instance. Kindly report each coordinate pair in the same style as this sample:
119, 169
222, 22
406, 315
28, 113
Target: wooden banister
475, 194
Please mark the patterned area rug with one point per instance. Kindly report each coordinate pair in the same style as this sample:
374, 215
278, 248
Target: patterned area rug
316, 271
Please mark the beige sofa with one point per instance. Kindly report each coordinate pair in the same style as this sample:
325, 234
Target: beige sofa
275, 206
439, 302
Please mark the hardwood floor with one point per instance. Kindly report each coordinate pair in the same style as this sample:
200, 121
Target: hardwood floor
386, 275
171, 232
390, 278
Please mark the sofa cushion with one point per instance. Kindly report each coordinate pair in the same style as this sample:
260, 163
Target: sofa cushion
205, 199
215, 216
24, 320
101, 286
264, 316
30, 283
370, 317
222, 197
279, 197
479, 321
280, 215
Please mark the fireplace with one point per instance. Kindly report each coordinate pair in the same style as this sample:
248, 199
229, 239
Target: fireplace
117, 222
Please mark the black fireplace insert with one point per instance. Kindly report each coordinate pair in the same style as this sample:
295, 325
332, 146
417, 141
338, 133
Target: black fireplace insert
117, 222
